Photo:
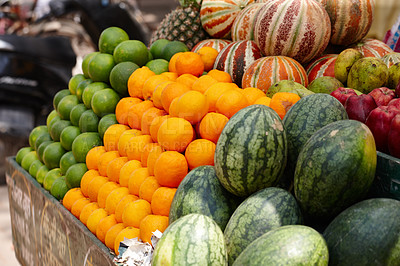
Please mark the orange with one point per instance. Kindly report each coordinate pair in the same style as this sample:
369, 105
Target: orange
137, 80
122, 108
136, 179
200, 152
111, 136
87, 211
86, 179
104, 225
136, 112
105, 159
170, 92
150, 84
95, 185
192, 106
220, 75
147, 188
170, 168
123, 142
157, 93
135, 211
215, 91
114, 197
152, 157
281, 102
146, 150
104, 191
230, 102
136, 146
252, 94
172, 76
161, 200
187, 79
175, 134
263, 100
172, 62
127, 170
77, 207
71, 196
112, 234
189, 63
208, 56
128, 232
211, 126
94, 219
150, 224
203, 83
92, 157
119, 209
114, 168
155, 125
148, 117
173, 107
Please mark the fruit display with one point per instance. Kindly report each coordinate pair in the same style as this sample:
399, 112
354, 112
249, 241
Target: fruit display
235, 132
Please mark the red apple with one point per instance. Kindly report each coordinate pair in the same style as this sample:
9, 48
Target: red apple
394, 137
395, 102
378, 122
358, 107
382, 96
341, 94
397, 90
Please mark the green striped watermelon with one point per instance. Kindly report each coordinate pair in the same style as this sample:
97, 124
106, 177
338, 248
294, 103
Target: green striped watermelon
286, 245
367, 233
201, 192
335, 168
194, 239
261, 212
251, 151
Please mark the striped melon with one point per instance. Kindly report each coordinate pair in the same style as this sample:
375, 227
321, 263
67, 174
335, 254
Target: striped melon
217, 16
217, 44
264, 72
391, 58
351, 20
243, 26
299, 29
321, 66
372, 48
251, 151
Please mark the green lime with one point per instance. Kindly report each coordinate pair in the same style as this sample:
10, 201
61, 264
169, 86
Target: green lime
50, 122
58, 96
28, 159
21, 153
65, 106
104, 102
158, 66
157, 47
74, 81
110, 38
85, 63
83, 143
76, 113
42, 138
66, 161
59, 188
50, 116
35, 133
68, 135
119, 77
100, 67
42, 147
150, 56
52, 155
132, 50
105, 122
81, 87
74, 174
172, 48
90, 90
35, 165
41, 173
57, 127
88, 121
50, 177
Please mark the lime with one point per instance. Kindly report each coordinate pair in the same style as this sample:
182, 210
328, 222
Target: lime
66, 161
65, 106
76, 113
74, 174
74, 81
21, 153
52, 155
50, 177
81, 87
50, 122
35, 133
58, 96
88, 121
41, 149
172, 48
158, 66
100, 67
42, 138
85, 63
68, 135
57, 127
150, 56
104, 102
105, 122
83, 143
110, 38
119, 77
35, 165
28, 159
157, 47
41, 173
90, 90
59, 188
132, 50
50, 116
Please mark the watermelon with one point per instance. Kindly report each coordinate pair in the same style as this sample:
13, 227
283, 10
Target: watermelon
251, 151
372, 48
263, 211
286, 245
201, 192
367, 233
335, 169
194, 239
